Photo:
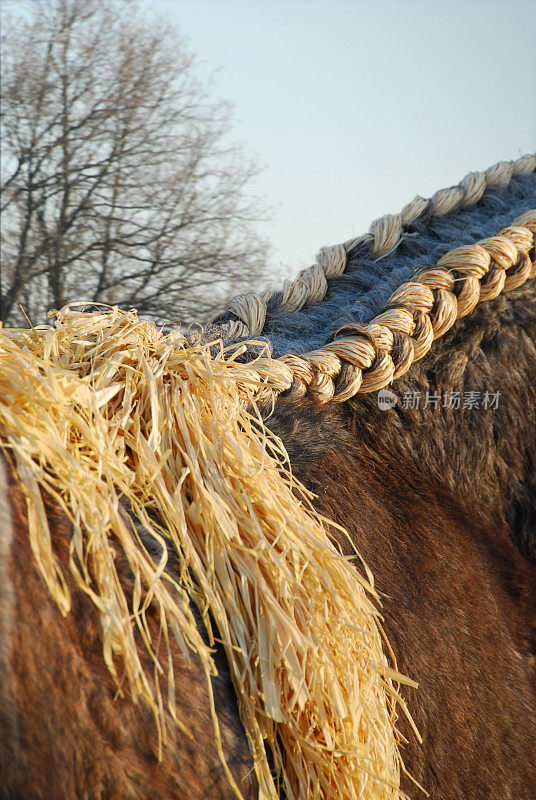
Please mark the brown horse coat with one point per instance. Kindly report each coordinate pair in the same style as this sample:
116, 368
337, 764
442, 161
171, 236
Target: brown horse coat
441, 504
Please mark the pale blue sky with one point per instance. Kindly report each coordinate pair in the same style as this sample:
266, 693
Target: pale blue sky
354, 107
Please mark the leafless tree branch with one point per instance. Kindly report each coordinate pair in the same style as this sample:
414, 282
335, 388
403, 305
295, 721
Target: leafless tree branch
119, 183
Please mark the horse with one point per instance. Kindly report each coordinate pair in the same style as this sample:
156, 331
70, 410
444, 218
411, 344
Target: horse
414, 432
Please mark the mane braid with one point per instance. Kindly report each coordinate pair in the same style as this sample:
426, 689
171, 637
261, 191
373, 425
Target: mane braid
366, 357
246, 314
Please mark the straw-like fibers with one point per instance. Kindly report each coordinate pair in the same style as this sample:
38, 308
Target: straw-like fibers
103, 407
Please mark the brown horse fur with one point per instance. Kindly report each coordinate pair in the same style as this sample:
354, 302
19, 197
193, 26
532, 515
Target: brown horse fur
63, 732
442, 506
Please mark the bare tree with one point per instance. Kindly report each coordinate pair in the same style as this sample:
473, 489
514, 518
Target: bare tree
118, 184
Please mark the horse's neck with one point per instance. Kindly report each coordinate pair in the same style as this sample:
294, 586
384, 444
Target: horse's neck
463, 422
465, 415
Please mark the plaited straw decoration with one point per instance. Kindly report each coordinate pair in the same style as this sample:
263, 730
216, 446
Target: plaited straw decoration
384, 236
110, 417
368, 358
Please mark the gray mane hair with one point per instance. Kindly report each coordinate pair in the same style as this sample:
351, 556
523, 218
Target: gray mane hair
365, 286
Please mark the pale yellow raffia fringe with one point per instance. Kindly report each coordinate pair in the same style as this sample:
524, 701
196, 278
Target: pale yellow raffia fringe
104, 412
367, 358
384, 236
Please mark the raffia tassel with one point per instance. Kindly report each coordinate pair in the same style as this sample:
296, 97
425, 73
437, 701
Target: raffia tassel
101, 407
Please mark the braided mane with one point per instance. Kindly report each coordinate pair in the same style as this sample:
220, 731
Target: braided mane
335, 335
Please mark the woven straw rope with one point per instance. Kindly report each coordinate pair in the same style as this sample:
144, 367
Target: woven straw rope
368, 358
360, 359
384, 236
